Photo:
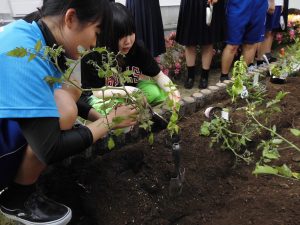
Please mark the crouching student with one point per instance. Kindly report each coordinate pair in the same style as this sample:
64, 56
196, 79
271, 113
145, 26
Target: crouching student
32, 133
137, 58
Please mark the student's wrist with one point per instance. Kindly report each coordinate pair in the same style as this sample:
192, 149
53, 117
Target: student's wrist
109, 121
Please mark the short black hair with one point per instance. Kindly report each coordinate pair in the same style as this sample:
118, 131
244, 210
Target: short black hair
122, 25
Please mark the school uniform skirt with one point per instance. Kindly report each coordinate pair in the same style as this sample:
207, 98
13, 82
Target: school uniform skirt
191, 27
285, 16
148, 22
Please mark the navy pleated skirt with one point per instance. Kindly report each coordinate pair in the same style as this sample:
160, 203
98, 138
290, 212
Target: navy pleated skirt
148, 22
191, 27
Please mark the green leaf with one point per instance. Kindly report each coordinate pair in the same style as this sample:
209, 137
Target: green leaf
52, 80
205, 129
114, 70
236, 90
145, 126
296, 175
274, 129
151, 138
285, 171
101, 73
277, 141
267, 160
31, 57
295, 132
174, 117
111, 143
118, 132
176, 129
38, 46
264, 170
270, 154
127, 73
18, 52
243, 141
280, 95
100, 49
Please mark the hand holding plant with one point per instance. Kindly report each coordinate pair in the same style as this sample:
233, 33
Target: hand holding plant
123, 116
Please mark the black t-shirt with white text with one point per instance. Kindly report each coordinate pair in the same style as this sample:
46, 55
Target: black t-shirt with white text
138, 59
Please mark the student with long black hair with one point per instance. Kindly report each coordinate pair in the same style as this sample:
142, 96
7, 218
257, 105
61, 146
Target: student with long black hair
136, 58
32, 134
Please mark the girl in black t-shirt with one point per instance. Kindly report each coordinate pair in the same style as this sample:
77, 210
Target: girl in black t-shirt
137, 59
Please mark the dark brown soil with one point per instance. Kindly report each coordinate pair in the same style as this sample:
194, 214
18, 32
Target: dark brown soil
130, 185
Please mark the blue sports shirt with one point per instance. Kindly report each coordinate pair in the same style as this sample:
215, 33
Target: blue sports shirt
23, 91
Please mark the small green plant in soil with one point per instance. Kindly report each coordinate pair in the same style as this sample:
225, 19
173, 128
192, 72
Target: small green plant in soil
254, 114
288, 61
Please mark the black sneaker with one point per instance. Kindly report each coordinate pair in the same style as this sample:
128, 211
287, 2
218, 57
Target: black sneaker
224, 77
39, 210
271, 58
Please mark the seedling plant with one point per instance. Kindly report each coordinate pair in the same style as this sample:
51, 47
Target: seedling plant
255, 112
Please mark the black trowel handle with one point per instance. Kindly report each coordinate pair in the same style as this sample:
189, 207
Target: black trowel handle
176, 157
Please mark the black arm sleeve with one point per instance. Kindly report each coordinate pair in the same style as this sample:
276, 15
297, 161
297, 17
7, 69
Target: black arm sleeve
49, 143
83, 106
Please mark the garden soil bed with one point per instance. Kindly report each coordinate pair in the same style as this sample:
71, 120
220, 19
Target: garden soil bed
130, 185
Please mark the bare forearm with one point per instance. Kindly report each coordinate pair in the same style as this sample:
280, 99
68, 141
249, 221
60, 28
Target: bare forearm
99, 128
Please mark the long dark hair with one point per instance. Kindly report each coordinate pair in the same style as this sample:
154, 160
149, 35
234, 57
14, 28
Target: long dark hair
86, 11
122, 25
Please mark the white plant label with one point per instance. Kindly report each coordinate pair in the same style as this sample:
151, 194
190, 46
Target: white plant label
225, 115
255, 79
244, 93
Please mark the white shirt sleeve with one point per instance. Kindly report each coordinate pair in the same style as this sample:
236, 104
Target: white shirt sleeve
164, 83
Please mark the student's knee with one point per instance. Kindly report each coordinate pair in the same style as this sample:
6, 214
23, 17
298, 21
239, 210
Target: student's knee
232, 48
67, 109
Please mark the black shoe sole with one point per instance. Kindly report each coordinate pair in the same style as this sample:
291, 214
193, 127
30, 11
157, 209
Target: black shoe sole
222, 79
62, 221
